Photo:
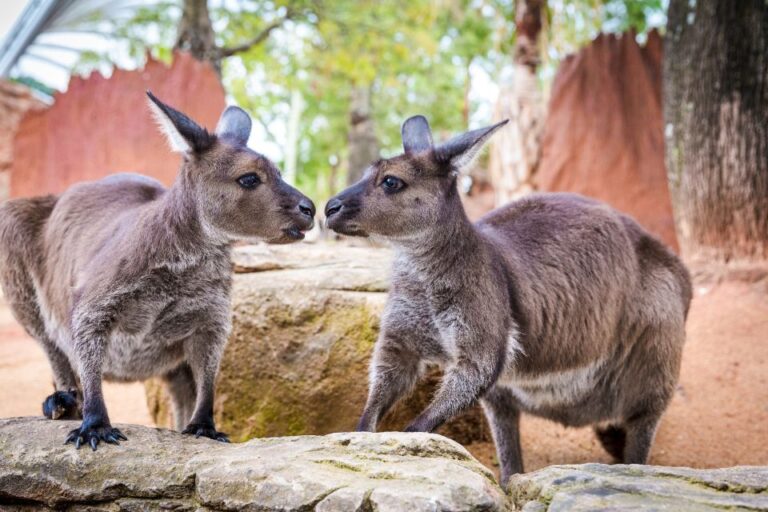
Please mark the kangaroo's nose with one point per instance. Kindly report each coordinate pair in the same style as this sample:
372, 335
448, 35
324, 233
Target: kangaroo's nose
333, 207
307, 207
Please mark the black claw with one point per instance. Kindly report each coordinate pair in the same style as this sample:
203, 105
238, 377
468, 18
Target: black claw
93, 435
201, 430
72, 436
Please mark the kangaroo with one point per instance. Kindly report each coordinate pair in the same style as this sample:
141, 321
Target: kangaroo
555, 305
123, 279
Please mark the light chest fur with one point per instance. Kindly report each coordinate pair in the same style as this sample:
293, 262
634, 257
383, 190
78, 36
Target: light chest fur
550, 390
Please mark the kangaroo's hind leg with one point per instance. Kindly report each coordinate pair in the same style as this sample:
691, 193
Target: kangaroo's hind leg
651, 372
21, 224
66, 401
503, 416
181, 386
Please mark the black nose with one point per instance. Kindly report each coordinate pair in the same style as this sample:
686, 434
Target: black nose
307, 207
333, 207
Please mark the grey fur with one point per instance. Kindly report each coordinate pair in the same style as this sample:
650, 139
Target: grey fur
556, 305
125, 280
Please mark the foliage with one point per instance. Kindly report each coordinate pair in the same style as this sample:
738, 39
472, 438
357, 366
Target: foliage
416, 55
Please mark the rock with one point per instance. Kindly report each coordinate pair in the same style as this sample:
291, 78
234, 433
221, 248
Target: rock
50, 154
590, 487
15, 101
305, 319
160, 469
604, 133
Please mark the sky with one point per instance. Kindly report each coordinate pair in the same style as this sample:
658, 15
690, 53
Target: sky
10, 11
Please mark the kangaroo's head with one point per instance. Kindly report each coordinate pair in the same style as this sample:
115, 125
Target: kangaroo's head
404, 196
239, 193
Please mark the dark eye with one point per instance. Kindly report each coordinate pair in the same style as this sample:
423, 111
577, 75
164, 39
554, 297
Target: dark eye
248, 181
392, 184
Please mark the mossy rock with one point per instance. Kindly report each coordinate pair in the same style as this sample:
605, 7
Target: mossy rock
297, 360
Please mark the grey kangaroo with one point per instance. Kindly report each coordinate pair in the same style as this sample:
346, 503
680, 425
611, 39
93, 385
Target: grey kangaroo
556, 305
123, 279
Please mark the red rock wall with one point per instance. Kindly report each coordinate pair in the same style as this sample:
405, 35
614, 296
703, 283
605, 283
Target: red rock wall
604, 131
15, 100
103, 125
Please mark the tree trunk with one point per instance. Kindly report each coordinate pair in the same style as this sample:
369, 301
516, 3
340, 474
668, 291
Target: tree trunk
292, 140
716, 115
515, 150
362, 143
195, 33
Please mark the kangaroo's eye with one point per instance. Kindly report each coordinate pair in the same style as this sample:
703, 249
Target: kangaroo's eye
392, 184
248, 181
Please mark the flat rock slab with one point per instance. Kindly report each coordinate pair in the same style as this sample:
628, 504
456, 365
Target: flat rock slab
589, 487
158, 469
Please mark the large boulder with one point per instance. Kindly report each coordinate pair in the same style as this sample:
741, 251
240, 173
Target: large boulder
101, 126
163, 470
589, 487
604, 134
305, 320
15, 101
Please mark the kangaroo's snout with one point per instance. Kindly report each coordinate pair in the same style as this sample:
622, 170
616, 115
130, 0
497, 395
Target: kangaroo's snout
333, 207
307, 207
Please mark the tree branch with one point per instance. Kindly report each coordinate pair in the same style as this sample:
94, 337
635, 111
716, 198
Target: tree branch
260, 38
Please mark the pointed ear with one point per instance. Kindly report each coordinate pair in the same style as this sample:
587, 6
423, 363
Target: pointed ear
462, 150
234, 124
183, 133
416, 135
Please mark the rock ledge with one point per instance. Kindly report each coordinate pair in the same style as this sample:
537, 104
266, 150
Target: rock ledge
589, 487
159, 469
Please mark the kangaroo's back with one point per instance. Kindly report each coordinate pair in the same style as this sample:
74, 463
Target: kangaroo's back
572, 267
22, 222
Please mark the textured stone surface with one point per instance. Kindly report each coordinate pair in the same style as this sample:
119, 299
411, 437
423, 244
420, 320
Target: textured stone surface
160, 469
102, 126
590, 487
305, 319
604, 131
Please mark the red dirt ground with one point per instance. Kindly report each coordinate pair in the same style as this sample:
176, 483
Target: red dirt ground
719, 416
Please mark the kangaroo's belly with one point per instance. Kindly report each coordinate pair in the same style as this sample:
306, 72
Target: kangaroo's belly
149, 341
130, 357
572, 397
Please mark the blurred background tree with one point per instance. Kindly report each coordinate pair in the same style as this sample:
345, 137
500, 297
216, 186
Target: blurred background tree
716, 109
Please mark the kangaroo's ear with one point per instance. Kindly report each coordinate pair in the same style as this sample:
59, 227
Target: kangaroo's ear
462, 150
416, 135
184, 135
235, 125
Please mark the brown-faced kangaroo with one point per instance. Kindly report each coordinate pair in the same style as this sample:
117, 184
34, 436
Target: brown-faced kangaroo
123, 279
555, 304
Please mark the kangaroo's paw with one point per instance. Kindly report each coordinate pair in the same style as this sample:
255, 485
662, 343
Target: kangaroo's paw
205, 430
93, 434
62, 405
